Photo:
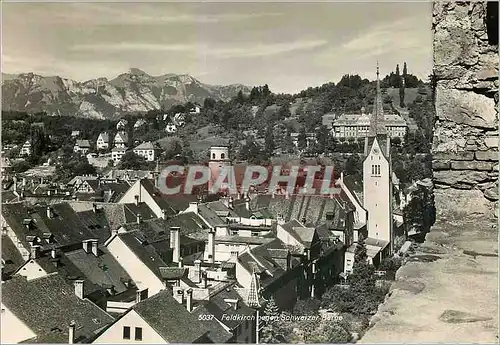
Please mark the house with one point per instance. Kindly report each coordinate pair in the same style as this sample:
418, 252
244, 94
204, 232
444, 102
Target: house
171, 128
195, 110
140, 260
310, 138
179, 119
75, 134
103, 141
146, 150
48, 310
127, 175
145, 190
117, 153
121, 139
159, 319
26, 148
139, 123
232, 320
121, 125
82, 146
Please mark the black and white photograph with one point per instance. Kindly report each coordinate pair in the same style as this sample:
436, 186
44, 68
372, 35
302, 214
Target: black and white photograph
249, 172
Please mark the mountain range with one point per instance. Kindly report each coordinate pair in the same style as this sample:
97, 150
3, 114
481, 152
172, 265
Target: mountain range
131, 92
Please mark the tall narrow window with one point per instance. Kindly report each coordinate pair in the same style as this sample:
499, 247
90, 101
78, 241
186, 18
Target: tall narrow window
126, 332
138, 333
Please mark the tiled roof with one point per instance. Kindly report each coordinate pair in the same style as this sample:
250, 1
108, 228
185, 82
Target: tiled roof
313, 208
170, 319
102, 270
210, 216
216, 332
47, 306
104, 136
83, 143
121, 136
145, 146
160, 199
113, 191
173, 272
120, 214
11, 257
144, 251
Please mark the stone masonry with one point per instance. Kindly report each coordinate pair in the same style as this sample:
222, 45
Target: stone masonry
465, 145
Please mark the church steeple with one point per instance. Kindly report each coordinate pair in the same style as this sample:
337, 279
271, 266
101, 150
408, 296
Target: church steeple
377, 125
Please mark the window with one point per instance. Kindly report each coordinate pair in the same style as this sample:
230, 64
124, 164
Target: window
222, 156
234, 232
255, 233
126, 332
138, 333
213, 155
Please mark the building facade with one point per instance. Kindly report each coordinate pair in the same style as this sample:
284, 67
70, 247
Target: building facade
357, 125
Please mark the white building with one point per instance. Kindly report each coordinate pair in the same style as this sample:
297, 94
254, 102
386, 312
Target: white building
146, 150
139, 123
121, 139
26, 148
357, 126
171, 128
117, 153
122, 124
82, 146
103, 141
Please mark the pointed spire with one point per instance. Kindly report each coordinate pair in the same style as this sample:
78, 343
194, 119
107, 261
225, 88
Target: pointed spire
253, 294
377, 125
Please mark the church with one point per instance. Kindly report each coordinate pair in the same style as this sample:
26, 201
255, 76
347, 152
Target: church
378, 179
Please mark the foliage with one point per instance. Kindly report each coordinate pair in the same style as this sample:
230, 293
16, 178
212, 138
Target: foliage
20, 166
302, 139
251, 152
130, 160
360, 251
73, 165
390, 265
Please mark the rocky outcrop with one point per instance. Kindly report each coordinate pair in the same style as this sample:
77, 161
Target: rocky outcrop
465, 145
131, 92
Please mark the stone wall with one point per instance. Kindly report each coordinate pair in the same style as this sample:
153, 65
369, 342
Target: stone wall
465, 145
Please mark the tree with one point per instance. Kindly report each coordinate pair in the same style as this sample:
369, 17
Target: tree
131, 160
302, 139
269, 144
360, 251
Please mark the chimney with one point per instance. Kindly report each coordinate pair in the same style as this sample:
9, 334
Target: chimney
93, 243
193, 206
79, 285
247, 203
86, 246
71, 333
175, 243
53, 253
178, 294
231, 203
287, 195
136, 197
94, 207
164, 214
189, 300
49, 212
303, 220
24, 181
139, 294
211, 246
138, 216
197, 271
35, 251
238, 196
48, 192
280, 220
204, 279
15, 184
234, 256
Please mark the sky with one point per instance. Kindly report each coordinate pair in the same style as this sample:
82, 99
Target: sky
289, 46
